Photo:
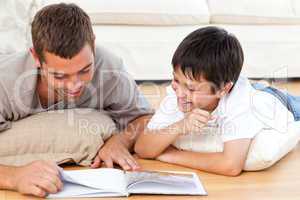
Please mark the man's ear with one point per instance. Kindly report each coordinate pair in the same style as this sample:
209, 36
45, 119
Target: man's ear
94, 43
35, 57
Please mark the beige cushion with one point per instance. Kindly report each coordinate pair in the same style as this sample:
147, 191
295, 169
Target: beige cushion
154, 12
254, 11
62, 136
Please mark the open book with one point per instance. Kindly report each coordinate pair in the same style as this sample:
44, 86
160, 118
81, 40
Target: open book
105, 182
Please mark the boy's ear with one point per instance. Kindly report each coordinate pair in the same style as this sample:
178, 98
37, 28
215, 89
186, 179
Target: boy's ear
226, 89
35, 57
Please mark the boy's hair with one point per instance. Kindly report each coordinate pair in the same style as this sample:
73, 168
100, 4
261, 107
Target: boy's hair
61, 29
210, 52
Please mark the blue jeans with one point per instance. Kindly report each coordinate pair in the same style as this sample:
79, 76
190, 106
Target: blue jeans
291, 102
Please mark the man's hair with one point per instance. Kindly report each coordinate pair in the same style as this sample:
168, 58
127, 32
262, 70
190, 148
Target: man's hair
210, 52
61, 29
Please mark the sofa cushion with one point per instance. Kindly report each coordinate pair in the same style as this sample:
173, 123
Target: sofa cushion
254, 11
147, 50
266, 148
154, 12
62, 136
15, 16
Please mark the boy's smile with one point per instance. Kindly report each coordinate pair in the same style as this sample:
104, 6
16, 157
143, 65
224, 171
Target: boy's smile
193, 93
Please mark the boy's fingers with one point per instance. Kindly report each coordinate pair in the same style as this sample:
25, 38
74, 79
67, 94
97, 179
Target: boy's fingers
202, 112
201, 120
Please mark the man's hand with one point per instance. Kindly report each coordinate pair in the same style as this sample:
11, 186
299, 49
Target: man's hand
115, 151
194, 121
37, 178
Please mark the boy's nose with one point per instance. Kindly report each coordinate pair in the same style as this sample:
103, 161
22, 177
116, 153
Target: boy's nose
180, 92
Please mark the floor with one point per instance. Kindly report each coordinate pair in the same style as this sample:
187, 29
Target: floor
280, 182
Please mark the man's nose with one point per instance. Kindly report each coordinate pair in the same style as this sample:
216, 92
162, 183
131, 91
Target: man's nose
74, 82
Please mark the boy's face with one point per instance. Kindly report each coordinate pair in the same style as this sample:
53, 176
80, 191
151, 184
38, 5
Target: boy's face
193, 94
66, 78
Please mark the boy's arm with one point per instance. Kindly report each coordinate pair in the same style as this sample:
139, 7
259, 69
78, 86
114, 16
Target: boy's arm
230, 162
151, 143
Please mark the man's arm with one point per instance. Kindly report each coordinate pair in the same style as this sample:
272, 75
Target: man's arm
7, 174
230, 162
37, 178
117, 148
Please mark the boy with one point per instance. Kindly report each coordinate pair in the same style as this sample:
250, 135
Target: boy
210, 102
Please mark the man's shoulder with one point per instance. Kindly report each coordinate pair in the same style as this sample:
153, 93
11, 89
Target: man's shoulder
106, 59
16, 64
17, 68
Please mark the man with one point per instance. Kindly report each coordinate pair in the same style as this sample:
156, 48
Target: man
65, 69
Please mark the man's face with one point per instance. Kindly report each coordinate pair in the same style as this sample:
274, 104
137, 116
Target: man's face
193, 94
66, 79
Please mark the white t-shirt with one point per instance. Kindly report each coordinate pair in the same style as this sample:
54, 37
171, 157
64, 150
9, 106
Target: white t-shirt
242, 113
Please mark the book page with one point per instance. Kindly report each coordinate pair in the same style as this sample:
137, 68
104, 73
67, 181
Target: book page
150, 182
92, 182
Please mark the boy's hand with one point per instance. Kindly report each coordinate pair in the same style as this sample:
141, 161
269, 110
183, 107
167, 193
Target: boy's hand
38, 178
194, 121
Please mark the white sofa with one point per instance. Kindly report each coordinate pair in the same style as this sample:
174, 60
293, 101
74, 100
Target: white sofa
145, 33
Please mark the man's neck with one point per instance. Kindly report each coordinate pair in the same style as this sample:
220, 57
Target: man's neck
46, 97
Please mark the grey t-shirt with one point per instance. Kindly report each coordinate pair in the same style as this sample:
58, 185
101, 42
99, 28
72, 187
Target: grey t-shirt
111, 90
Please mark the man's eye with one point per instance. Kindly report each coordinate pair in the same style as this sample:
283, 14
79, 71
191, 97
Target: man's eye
59, 77
85, 71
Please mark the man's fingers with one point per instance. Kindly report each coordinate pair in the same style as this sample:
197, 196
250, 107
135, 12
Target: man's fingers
51, 168
96, 163
37, 191
55, 180
46, 185
132, 163
109, 163
124, 164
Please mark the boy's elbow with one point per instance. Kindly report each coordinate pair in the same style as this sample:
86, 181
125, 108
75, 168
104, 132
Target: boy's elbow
232, 169
143, 153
